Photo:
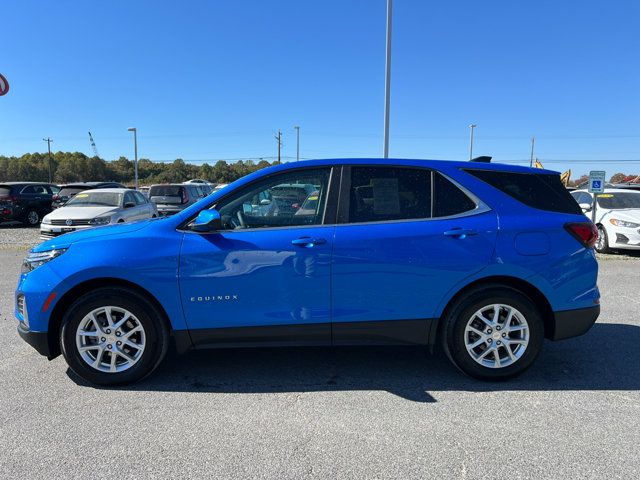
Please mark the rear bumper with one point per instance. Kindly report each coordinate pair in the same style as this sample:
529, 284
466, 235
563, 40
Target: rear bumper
38, 340
572, 323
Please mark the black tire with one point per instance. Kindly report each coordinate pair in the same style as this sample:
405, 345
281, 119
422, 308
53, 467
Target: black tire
457, 317
155, 331
602, 247
32, 218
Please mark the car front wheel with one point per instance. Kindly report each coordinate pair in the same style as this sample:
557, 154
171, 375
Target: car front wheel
113, 336
602, 244
493, 334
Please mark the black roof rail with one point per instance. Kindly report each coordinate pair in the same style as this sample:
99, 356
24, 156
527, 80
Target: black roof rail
483, 159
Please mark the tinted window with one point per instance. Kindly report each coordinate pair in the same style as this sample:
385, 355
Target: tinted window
129, 198
140, 200
387, 193
271, 203
166, 191
449, 199
35, 190
69, 191
537, 190
5, 190
582, 197
616, 201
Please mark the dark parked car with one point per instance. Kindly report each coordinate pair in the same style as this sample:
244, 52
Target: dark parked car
70, 190
173, 198
26, 202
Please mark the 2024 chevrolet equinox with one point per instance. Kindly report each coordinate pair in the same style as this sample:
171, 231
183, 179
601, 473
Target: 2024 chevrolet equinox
484, 259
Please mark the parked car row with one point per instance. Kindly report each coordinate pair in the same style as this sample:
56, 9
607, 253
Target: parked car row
30, 202
97, 207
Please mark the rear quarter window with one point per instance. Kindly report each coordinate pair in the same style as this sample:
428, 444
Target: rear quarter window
537, 190
5, 190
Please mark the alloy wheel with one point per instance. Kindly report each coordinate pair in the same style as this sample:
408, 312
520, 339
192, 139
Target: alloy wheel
110, 339
496, 336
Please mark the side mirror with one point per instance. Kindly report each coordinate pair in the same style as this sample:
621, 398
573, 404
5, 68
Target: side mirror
129, 205
207, 221
586, 207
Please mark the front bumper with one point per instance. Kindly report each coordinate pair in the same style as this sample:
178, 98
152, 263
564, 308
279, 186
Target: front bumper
38, 340
624, 238
572, 323
48, 231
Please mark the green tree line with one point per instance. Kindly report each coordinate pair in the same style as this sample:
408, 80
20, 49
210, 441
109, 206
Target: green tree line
77, 167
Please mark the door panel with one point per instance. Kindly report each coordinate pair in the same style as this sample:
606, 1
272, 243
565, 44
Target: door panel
402, 270
256, 278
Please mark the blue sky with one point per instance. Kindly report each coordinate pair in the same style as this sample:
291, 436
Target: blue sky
209, 80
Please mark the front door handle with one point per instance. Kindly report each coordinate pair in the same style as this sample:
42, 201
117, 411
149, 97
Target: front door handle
460, 232
308, 242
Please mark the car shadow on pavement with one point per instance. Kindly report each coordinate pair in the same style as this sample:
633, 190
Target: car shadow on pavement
606, 358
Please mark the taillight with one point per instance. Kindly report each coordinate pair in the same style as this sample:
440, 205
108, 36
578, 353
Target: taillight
585, 232
185, 195
9, 198
55, 198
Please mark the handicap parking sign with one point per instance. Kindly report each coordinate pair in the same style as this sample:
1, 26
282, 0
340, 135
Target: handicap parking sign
596, 181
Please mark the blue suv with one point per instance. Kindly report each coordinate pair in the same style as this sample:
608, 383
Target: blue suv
483, 259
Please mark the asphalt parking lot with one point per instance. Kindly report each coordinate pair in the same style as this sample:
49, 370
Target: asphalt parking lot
330, 413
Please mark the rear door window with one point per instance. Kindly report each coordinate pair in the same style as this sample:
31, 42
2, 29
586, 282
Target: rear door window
449, 200
389, 193
537, 190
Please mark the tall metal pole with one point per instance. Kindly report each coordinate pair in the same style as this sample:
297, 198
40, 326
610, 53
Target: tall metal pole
472, 126
297, 143
387, 83
48, 140
279, 138
135, 156
533, 142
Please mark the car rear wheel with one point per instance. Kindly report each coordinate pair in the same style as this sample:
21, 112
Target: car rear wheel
32, 218
113, 336
602, 244
493, 333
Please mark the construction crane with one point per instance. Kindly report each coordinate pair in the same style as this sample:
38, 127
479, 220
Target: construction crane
93, 146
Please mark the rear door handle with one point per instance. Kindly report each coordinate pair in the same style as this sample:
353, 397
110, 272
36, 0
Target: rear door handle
308, 242
460, 232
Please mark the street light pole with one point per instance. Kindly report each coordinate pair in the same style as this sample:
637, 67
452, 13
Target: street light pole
472, 126
387, 83
135, 156
48, 140
297, 143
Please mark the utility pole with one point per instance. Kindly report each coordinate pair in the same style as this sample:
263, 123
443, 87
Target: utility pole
387, 83
279, 139
472, 126
533, 143
48, 140
297, 143
135, 153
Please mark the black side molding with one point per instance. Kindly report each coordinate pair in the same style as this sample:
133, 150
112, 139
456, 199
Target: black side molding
572, 323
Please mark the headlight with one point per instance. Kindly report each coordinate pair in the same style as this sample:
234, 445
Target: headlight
34, 260
100, 221
623, 223
46, 220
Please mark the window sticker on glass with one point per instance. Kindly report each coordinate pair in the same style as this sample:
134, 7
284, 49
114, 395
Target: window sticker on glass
386, 196
82, 195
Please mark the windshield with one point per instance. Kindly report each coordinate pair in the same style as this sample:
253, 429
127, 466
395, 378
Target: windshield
617, 201
96, 199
